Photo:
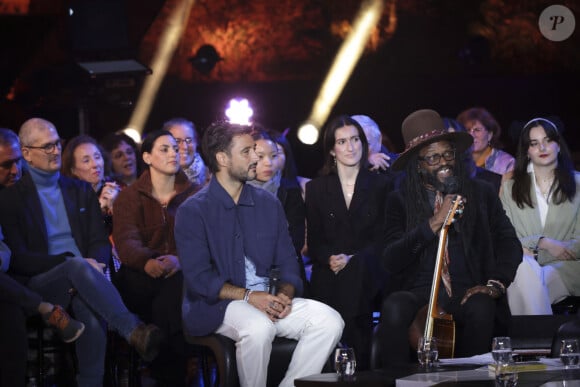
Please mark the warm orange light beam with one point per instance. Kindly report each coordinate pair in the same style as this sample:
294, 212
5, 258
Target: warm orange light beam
346, 59
168, 41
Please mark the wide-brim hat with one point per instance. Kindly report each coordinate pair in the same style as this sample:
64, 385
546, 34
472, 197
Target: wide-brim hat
424, 127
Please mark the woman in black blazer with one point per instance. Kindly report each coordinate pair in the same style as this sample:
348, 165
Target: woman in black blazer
345, 223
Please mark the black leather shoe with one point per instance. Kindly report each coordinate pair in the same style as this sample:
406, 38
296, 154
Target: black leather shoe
146, 340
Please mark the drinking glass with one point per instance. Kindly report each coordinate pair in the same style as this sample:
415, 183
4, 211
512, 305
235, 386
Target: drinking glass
501, 349
344, 361
427, 352
569, 353
506, 374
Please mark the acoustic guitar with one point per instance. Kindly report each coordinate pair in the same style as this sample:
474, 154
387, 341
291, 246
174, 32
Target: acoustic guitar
431, 321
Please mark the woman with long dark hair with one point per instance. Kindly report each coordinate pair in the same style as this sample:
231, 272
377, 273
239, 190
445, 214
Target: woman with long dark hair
543, 204
345, 221
150, 279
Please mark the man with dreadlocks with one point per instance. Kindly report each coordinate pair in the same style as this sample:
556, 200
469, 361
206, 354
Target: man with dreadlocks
481, 256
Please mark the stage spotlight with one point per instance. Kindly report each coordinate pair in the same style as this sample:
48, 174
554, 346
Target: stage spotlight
205, 59
308, 134
346, 59
134, 134
239, 112
168, 42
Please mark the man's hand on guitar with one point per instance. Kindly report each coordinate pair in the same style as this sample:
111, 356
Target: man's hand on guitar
438, 218
489, 290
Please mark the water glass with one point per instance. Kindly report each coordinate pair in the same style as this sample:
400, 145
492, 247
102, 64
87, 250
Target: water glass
427, 352
506, 374
570, 353
501, 349
344, 361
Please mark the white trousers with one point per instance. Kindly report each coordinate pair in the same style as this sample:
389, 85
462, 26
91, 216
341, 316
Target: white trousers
535, 288
316, 326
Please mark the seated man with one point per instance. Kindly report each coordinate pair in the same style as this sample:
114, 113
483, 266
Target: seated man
54, 228
228, 236
482, 252
16, 303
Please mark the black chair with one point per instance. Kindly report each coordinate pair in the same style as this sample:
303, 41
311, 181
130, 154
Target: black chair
568, 330
224, 351
568, 305
54, 360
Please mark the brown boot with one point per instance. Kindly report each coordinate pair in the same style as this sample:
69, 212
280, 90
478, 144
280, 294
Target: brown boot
68, 328
146, 340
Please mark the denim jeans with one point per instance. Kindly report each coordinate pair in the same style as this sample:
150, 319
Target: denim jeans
96, 300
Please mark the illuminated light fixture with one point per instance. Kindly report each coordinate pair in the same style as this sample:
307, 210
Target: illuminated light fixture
344, 63
176, 23
239, 112
308, 133
134, 134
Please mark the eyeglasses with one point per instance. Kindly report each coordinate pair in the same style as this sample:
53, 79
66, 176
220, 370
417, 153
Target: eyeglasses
48, 148
186, 140
9, 163
436, 158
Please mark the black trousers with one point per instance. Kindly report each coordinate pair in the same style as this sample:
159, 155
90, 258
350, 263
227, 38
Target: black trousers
474, 325
158, 301
16, 302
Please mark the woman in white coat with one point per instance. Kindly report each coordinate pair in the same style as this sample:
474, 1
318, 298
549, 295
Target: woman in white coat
543, 203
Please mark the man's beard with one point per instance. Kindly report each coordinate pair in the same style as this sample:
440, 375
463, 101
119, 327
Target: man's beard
450, 185
243, 175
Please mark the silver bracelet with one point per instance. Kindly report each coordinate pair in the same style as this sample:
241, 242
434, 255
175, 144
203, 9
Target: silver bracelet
247, 295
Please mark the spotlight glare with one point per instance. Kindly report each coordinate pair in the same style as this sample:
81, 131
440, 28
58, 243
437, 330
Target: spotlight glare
134, 134
308, 134
239, 112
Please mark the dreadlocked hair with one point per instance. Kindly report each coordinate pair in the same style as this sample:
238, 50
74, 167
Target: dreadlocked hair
417, 203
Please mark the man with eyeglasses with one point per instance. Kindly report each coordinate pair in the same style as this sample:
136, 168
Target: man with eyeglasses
10, 158
480, 258
189, 159
54, 227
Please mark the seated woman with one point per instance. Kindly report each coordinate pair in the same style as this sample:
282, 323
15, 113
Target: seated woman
150, 279
82, 158
269, 177
543, 203
345, 221
486, 134
122, 151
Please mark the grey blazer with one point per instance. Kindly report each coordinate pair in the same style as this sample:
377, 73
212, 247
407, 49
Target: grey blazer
562, 223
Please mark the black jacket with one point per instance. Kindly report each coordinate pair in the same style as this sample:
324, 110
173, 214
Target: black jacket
25, 231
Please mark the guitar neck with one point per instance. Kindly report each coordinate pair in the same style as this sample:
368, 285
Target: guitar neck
432, 309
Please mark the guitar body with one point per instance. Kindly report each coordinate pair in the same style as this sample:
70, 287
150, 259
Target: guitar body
443, 330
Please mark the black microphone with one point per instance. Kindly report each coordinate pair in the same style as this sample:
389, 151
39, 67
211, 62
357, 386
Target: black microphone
274, 284
451, 185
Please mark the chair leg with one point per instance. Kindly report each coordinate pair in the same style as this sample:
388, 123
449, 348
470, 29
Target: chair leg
40, 376
204, 366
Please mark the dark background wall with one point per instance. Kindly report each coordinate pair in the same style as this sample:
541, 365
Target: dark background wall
445, 55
